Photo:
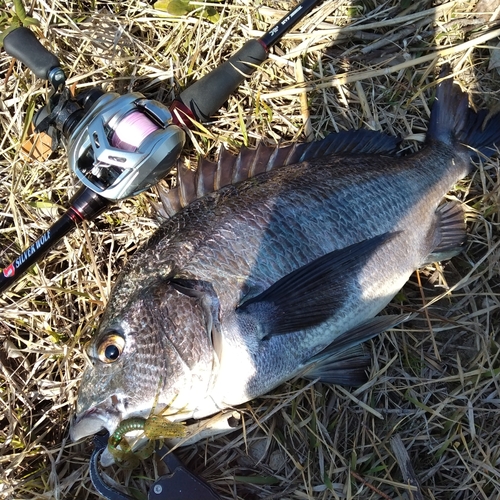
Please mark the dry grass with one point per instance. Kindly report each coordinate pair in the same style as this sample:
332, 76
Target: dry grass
433, 390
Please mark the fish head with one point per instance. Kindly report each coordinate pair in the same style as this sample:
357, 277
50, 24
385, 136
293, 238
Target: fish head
152, 354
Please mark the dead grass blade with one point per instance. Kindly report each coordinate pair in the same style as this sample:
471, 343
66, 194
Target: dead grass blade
350, 64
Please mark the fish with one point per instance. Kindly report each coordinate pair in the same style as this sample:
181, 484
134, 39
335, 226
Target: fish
277, 266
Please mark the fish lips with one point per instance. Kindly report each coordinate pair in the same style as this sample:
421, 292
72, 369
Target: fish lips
93, 420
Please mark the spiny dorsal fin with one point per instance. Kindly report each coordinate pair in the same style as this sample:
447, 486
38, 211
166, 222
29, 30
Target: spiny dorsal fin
230, 169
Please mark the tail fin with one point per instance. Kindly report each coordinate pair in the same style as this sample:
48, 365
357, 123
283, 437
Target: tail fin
452, 120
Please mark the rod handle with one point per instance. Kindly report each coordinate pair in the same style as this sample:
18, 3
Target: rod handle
205, 97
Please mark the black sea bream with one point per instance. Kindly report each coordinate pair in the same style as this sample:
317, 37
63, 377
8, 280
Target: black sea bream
281, 274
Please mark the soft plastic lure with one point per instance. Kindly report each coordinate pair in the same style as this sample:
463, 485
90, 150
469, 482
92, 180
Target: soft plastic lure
154, 427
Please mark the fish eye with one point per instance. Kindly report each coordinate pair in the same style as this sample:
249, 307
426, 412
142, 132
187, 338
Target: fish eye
110, 348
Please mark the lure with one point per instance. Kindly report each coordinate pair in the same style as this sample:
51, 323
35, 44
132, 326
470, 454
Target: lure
154, 427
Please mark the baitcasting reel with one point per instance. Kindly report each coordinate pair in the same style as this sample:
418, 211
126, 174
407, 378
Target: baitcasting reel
118, 146
124, 145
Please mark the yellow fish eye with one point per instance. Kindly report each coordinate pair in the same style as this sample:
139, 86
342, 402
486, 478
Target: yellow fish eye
110, 348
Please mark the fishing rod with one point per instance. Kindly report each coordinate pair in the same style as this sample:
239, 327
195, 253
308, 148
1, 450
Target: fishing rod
119, 146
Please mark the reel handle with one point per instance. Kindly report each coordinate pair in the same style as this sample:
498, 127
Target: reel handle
23, 45
206, 96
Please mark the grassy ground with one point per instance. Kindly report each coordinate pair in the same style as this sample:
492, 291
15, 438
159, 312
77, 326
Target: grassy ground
427, 424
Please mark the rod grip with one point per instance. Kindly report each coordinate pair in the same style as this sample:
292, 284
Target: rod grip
205, 97
23, 45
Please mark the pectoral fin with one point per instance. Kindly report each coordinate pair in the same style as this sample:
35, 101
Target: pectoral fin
344, 361
311, 294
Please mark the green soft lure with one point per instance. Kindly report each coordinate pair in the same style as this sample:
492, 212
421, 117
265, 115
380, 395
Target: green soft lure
154, 427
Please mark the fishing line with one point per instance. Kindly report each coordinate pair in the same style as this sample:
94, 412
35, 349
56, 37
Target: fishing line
132, 130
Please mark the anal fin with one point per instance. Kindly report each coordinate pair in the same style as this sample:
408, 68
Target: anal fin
449, 232
348, 368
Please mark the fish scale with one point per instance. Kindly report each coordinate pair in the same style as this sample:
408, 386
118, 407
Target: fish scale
280, 275
290, 223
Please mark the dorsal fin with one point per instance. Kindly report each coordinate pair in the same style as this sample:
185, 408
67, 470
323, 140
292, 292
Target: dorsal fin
230, 169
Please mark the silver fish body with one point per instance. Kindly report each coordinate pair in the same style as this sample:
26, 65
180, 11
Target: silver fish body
277, 276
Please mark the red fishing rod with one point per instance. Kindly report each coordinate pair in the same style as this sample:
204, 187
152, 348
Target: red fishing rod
119, 146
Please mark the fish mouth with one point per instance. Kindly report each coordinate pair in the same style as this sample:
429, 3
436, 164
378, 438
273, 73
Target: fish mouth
95, 419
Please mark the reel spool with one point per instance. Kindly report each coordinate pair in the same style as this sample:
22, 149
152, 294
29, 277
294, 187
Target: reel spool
124, 145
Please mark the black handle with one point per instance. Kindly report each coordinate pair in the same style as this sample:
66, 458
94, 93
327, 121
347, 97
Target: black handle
181, 485
24, 46
206, 96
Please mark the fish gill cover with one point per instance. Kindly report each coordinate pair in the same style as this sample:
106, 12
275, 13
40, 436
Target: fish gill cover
432, 380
